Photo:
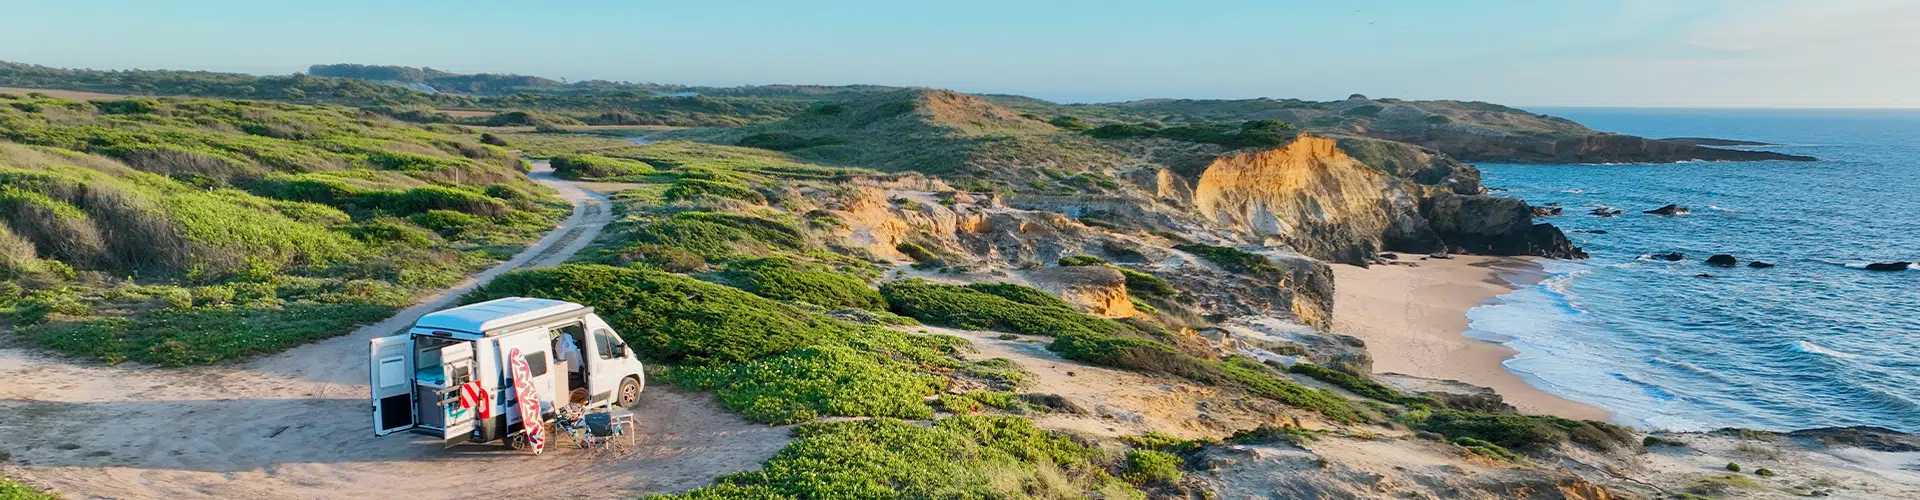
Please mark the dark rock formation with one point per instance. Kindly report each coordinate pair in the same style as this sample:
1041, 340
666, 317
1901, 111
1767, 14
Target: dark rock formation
1474, 146
1759, 265
1872, 438
1709, 141
1705, 275
1889, 266
1491, 225
1547, 211
1607, 211
1669, 256
1590, 231
1669, 209
1723, 260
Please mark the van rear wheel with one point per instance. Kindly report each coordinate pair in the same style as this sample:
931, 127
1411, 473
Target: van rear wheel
629, 393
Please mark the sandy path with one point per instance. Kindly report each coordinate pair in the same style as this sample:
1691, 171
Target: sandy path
1412, 319
297, 424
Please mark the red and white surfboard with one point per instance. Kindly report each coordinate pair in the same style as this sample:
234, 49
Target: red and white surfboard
529, 401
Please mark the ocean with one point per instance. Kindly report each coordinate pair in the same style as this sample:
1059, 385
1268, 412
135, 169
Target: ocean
1817, 341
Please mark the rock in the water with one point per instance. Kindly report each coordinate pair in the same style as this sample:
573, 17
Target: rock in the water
1590, 231
1705, 275
1499, 226
1670, 209
1669, 257
1889, 266
1546, 211
1759, 265
1607, 211
1723, 260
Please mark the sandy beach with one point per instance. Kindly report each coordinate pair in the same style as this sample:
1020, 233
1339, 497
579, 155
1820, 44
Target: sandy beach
1412, 319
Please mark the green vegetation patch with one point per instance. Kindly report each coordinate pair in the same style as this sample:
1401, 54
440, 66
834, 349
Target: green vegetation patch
809, 382
975, 456
584, 167
10, 490
785, 279
1356, 384
1250, 133
180, 337
1520, 432
1233, 259
1153, 467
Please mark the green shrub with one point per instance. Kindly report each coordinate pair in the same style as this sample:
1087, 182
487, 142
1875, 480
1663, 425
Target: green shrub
673, 318
580, 167
814, 381
1002, 373
1140, 283
1486, 449
446, 222
1070, 123
781, 141
975, 456
1733, 467
1521, 432
712, 236
1153, 467
988, 307
1352, 383
1081, 260
690, 188
1763, 472
10, 490
1233, 259
783, 279
915, 252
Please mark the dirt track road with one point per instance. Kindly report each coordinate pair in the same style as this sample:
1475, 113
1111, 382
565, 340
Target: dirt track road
296, 424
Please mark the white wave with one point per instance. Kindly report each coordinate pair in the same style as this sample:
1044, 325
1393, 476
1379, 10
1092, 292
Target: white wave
1812, 348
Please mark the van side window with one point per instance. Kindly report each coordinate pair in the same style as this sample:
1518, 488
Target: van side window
537, 363
603, 343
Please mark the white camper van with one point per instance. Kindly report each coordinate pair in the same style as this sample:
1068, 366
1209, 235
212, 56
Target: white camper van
416, 377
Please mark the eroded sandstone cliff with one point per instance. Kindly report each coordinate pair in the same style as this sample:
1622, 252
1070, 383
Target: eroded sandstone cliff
1316, 198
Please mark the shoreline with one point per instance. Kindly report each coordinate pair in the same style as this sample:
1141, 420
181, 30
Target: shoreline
1414, 322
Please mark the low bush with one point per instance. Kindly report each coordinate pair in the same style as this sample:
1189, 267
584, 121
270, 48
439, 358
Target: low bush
988, 307
1486, 449
1516, 431
10, 490
1153, 467
579, 167
1233, 259
1081, 260
689, 188
714, 237
1140, 283
915, 252
970, 456
1352, 383
823, 380
784, 279
781, 141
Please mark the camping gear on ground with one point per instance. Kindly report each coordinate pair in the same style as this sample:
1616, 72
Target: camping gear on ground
421, 380
605, 429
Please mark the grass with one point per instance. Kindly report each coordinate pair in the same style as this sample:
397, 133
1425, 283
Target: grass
1353, 383
1233, 259
809, 382
956, 457
1486, 449
115, 209
702, 236
1153, 467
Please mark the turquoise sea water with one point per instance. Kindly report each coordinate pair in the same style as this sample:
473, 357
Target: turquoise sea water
1816, 341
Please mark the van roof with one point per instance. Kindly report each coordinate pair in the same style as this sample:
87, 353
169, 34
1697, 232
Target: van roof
496, 313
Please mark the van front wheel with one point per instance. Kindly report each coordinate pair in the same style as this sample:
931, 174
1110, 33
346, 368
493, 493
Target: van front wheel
629, 393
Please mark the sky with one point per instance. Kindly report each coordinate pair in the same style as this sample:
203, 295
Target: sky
1733, 53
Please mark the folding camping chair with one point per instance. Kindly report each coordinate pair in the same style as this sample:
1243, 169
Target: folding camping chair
604, 432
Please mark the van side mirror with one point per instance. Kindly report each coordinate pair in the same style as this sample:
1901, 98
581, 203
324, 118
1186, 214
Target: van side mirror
620, 350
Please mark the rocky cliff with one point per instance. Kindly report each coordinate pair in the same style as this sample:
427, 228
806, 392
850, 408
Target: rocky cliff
1318, 199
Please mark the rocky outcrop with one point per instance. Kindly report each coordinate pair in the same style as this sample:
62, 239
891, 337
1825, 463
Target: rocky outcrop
1316, 199
1584, 148
1889, 266
1723, 260
1452, 394
1669, 209
1861, 436
1493, 225
1097, 290
1420, 165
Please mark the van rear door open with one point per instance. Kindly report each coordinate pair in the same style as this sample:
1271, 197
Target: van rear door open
457, 363
391, 362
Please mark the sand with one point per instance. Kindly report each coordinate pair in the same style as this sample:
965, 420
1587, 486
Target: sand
1413, 320
296, 424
